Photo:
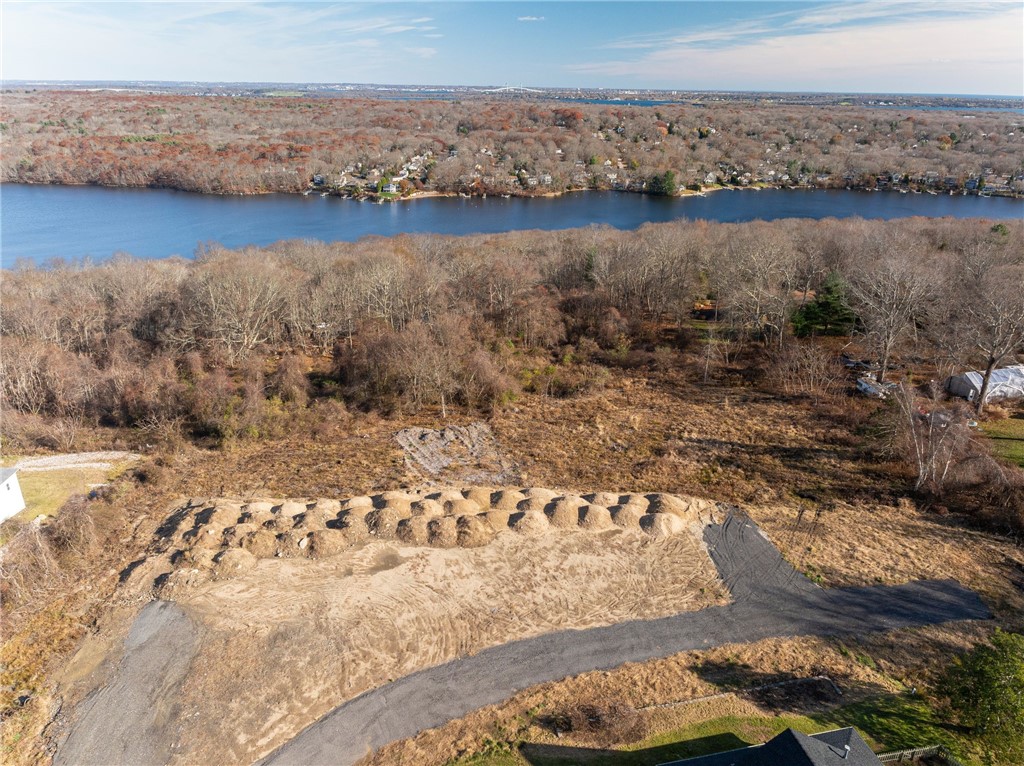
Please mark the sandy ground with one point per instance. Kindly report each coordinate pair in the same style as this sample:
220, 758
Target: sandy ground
304, 634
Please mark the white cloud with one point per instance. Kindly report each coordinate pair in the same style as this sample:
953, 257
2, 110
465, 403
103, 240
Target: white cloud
970, 53
530, 18
423, 53
231, 41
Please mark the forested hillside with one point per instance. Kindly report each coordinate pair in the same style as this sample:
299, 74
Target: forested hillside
221, 144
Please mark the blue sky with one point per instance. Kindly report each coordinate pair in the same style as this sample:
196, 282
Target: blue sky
890, 46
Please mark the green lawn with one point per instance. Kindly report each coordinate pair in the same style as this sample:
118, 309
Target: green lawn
891, 722
1007, 438
46, 491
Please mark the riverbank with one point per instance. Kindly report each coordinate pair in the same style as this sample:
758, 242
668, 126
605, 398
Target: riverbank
527, 194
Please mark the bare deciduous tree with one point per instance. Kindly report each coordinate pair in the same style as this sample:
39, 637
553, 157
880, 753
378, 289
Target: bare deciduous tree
889, 287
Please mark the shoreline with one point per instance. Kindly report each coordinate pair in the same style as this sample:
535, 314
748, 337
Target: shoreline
432, 193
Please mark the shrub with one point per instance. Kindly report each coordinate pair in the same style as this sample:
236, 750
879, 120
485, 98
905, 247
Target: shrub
985, 691
604, 723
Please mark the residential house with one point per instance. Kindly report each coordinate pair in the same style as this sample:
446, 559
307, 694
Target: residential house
12, 501
842, 747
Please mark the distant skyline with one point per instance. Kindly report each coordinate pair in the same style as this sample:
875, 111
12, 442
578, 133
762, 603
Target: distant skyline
889, 46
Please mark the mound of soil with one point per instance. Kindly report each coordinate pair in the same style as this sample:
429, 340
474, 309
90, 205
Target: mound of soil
354, 527
233, 536
428, 507
324, 543
533, 504
532, 523
479, 495
359, 501
626, 516
442, 532
262, 543
291, 545
413, 531
383, 522
400, 501
462, 506
660, 525
290, 508
605, 499
564, 513
660, 503
506, 499
499, 520
258, 506
639, 501
445, 495
256, 518
232, 562
327, 505
313, 519
595, 518
473, 532
221, 515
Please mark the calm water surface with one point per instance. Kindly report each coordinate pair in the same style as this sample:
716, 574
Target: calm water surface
44, 222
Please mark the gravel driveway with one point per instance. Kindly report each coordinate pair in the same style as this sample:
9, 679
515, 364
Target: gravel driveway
102, 460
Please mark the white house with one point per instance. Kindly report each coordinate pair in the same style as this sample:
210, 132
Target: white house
11, 500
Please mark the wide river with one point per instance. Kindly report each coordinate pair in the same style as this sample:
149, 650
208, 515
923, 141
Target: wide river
44, 222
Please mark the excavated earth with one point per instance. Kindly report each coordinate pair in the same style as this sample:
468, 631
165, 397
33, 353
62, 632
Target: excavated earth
289, 608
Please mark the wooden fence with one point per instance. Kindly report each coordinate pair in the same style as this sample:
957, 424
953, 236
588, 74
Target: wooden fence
908, 756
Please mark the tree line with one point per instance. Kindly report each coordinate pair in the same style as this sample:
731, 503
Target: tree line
419, 320
261, 343
250, 145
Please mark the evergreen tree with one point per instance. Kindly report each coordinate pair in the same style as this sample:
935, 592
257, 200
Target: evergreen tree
828, 313
663, 183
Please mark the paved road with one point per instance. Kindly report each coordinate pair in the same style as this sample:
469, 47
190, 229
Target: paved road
770, 599
132, 719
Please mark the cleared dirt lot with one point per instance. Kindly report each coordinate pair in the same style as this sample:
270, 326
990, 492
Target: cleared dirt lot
303, 634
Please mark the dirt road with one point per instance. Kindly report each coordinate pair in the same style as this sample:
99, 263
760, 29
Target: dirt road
771, 599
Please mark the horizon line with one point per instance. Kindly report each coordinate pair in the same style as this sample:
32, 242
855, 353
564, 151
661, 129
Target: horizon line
7, 82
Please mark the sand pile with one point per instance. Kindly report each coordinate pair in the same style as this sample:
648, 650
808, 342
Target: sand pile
223, 537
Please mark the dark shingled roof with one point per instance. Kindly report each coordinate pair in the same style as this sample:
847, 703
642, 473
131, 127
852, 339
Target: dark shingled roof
795, 749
